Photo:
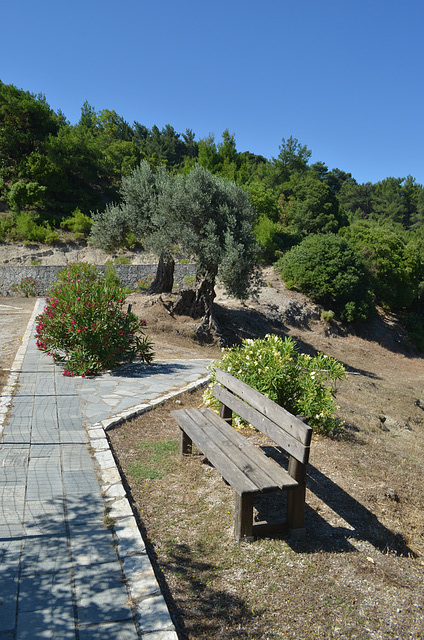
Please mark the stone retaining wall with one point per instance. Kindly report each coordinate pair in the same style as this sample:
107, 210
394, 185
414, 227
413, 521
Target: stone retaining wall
128, 274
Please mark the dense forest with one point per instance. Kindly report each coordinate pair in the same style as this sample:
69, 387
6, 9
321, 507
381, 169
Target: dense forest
347, 245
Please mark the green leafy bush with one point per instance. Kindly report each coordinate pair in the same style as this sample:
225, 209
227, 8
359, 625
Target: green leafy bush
395, 263
327, 315
315, 208
326, 268
302, 384
118, 260
189, 281
25, 194
144, 283
79, 223
274, 238
25, 227
84, 326
6, 226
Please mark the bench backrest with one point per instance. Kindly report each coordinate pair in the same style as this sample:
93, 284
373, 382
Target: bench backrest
287, 431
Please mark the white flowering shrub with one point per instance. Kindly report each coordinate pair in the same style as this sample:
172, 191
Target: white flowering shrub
273, 365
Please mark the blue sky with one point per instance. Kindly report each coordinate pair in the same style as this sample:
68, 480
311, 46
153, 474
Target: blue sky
344, 77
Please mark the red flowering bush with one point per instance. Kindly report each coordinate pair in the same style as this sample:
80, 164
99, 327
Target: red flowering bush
27, 287
84, 326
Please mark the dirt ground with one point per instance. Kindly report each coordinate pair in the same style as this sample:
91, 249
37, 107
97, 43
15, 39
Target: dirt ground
12, 254
14, 316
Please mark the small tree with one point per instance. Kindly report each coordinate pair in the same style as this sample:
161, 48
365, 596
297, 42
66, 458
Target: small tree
315, 208
395, 265
145, 199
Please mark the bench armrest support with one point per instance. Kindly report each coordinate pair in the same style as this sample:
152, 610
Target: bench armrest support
296, 497
186, 444
226, 413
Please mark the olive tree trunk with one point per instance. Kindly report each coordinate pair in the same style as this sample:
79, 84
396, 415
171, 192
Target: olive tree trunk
197, 302
164, 279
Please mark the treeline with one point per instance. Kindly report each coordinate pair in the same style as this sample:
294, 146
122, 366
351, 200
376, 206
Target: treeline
53, 172
48, 164
81, 165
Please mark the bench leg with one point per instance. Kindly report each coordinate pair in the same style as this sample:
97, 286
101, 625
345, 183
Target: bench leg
243, 521
296, 497
296, 507
186, 444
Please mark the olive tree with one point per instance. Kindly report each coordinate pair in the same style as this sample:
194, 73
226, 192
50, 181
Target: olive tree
215, 225
144, 195
199, 216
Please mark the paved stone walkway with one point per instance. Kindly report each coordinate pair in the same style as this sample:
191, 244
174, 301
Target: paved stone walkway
63, 573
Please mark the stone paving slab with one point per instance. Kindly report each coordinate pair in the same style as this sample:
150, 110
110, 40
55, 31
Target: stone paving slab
44, 554
125, 389
89, 545
122, 630
100, 594
63, 573
46, 623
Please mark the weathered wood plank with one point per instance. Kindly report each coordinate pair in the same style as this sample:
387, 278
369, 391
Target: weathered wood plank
273, 470
296, 498
186, 445
243, 517
216, 457
277, 414
267, 426
225, 437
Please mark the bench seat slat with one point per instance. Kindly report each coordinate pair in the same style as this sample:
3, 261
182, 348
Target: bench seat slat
263, 423
277, 414
241, 483
273, 470
220, 432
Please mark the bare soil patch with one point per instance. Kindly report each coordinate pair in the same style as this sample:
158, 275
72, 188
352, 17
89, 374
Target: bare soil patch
12, 254
15, 313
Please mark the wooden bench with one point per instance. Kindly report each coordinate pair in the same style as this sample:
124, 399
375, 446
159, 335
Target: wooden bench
243, 465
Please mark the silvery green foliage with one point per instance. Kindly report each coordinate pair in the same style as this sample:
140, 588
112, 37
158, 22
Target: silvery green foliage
138, 212
218, 230
110, 227
200, 216
140, 193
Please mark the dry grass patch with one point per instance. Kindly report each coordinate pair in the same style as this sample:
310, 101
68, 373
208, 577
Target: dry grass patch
357, 574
